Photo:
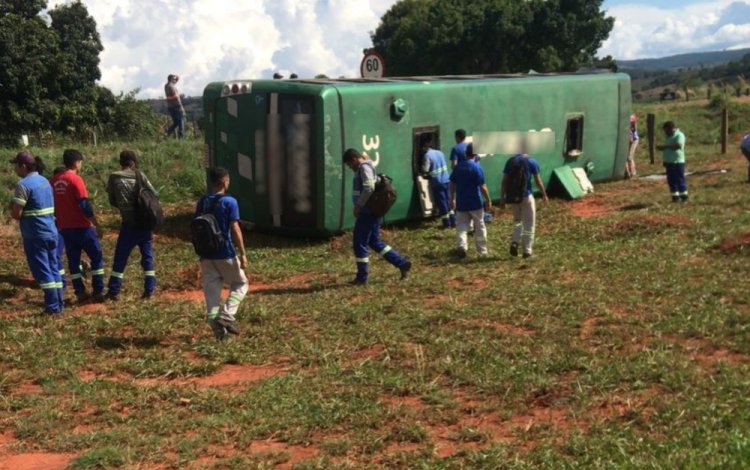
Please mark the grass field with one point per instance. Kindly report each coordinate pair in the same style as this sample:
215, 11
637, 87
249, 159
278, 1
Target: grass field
624, 343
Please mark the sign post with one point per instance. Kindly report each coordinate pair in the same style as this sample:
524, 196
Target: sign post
372, 65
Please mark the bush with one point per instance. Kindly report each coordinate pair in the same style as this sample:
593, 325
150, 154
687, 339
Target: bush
131, 119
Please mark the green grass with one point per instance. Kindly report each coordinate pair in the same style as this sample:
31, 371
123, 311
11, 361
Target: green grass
624, 343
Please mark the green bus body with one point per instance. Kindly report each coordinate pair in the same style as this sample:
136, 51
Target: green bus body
282, 140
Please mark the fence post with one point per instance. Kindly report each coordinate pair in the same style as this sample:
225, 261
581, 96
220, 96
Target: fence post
651, 127
724, 130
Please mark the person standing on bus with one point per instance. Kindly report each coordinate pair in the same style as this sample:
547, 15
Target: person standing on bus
174, 106
367, 224
78, 225
33, 205
435, 169
673, 156
630, 171
458, 152
467, 190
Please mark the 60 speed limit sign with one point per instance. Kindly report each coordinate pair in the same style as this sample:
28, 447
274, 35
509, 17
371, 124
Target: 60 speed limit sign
372, 66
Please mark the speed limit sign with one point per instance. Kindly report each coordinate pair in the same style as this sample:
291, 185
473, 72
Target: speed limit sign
372, 66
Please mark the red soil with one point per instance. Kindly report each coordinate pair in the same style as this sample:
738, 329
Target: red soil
29, 461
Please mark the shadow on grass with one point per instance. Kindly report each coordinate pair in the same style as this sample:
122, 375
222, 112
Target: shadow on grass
635, 207
18, 281
113, 342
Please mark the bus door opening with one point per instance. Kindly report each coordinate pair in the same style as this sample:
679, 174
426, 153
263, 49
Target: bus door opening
421, 179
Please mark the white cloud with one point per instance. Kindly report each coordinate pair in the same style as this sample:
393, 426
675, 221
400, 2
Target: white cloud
205, 40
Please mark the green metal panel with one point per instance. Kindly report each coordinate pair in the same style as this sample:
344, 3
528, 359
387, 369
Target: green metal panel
380, 118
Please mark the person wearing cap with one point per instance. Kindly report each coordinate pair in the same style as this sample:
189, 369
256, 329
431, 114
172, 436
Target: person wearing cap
435, 169
122, 194
367, 225
33, 205
470, 199
673, 157
174, 107
78, 226
630, 171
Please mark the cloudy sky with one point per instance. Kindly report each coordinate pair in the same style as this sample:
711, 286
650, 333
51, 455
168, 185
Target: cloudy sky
213, 40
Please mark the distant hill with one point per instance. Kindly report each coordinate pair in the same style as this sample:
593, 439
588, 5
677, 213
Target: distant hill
695, 60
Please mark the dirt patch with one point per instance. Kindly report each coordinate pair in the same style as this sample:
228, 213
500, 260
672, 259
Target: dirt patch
295, 453
185, 295
403, 402
229, 375
587, 328
436, 301
591, 206
26, 387
735, 244
500, 327
368, 353
8, 314
649, 224
38, 461
707, 355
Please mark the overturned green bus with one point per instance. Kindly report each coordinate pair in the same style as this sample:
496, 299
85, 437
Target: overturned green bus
282, 140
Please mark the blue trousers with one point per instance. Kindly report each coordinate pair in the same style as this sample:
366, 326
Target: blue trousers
60, 252
78, 240
367, 235
676, 180
45, 267
177, 122
129, 238
442, 204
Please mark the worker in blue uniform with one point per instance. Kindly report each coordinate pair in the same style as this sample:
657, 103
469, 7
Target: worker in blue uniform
367, 225
33, 206
436, 170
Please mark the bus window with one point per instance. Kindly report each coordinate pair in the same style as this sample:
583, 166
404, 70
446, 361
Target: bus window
574, 137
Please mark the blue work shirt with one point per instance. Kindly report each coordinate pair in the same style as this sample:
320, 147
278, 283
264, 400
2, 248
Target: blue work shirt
530, 168
435, 166
34, 194
226, 211
468, 176
458, 153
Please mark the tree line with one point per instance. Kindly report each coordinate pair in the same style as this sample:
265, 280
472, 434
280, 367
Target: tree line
49, 67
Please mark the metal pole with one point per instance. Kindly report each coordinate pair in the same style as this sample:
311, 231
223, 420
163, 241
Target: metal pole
724, 130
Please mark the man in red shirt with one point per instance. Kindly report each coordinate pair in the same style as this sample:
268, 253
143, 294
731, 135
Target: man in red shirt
78, 226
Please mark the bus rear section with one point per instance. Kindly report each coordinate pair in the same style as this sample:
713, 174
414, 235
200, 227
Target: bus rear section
267, 141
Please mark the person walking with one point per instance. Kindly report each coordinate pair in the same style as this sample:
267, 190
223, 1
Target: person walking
122, 192
174, 107
225, 266
367, 224
458, 152
33, 205
516, 190
630, 171
435, 169
470, 199
78, 226
673, 156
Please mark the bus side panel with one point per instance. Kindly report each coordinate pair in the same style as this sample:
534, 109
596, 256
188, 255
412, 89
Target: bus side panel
334, 177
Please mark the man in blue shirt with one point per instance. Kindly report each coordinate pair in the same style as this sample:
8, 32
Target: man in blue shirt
524, 211
458, 152
435, 169
33, 206
367, 225
224, 267
467, 188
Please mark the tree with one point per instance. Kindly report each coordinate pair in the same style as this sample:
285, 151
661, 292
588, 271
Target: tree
430, 37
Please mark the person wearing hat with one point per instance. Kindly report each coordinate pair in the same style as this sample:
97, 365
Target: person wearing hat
122, 194
174, 106
33, 206
78, 226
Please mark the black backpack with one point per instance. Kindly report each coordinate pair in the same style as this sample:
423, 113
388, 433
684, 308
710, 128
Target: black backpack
148, 212
517, 183
205, 232
383, 197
